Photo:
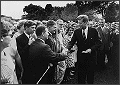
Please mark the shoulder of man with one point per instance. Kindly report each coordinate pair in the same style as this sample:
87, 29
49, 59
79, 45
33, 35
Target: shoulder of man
19, 37
94, 29
76, 30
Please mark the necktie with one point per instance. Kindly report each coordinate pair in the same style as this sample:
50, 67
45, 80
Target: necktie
84, 37
29, 36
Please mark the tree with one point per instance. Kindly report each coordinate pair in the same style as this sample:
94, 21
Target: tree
84, 6
111, 12
34, 12
91, 14
48, 9
70, 12
56, 14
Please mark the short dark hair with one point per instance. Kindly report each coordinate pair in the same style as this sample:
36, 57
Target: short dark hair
29, 23
85, 20
50, 23
40, 30
83, 17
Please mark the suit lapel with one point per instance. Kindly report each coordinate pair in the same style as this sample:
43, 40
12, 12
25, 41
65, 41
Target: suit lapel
101, 33
88, 33
80, 34
25, 38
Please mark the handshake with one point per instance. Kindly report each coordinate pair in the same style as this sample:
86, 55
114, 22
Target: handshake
66, 51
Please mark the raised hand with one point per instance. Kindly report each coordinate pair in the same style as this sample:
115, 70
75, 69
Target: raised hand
30, 40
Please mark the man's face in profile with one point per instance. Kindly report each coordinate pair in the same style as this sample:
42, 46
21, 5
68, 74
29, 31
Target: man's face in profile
46, 33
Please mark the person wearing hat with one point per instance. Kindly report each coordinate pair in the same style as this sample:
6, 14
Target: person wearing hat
88, 42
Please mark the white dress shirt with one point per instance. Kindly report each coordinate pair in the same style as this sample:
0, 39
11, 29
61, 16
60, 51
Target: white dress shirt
27, 35
41, 40
86, 32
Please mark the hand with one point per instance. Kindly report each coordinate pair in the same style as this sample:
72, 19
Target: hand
21, 74
65, 51
34, 36
20, 81
50, 64
30, 40
87, 51
84, 52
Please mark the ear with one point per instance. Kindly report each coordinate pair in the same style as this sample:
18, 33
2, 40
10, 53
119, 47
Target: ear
25, 28
42, 34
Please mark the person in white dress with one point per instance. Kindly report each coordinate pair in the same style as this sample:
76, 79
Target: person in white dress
8, 58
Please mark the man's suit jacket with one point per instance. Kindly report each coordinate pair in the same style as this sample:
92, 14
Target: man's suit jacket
52, 43
40, 55
105, 37
22, 47
92, 42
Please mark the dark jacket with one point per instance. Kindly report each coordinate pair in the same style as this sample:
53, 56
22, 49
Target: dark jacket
105, 37
52, 43
23, 47
40, 55
92, 42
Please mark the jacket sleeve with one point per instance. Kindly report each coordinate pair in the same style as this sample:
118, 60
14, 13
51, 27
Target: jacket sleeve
72, 42
52, 56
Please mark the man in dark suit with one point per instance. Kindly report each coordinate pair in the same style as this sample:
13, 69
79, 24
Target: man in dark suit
103, 51
23, 41
87, 42
40, 55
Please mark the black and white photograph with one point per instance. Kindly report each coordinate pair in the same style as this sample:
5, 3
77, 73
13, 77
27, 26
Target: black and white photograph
60, 42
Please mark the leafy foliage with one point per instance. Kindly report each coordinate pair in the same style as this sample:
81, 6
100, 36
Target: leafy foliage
69, 12
111, 13
34, 12
48, 9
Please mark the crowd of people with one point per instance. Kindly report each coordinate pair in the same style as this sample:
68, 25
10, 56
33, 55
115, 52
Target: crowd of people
50, 52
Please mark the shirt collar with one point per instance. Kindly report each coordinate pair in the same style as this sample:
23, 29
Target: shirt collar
26, 34
85, 29
41, 40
